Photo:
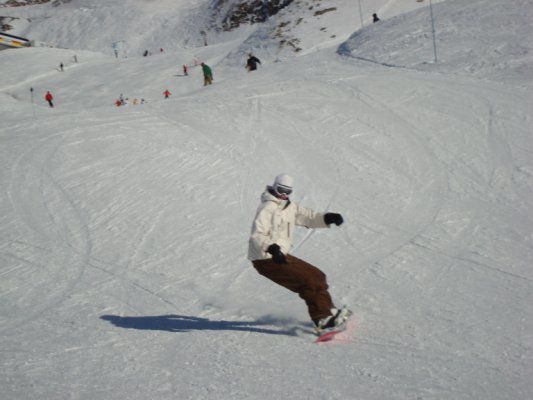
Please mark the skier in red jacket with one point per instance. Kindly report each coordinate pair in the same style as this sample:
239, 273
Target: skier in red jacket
48, 97
166, 93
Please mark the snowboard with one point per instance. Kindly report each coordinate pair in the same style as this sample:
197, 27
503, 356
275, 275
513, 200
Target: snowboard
340, 334
330, 335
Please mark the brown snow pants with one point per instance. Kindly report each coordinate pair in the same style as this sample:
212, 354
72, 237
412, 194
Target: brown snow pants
302, 278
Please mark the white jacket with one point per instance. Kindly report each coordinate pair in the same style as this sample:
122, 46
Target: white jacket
274, 223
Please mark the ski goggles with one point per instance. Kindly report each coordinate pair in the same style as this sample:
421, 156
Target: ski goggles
283, 189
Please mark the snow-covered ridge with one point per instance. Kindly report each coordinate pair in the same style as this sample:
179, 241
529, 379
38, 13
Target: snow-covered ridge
496, 40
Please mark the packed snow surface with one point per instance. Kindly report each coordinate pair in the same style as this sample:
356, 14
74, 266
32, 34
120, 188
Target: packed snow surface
124, 230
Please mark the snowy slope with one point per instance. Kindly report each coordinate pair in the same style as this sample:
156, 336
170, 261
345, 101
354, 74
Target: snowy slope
137, 25
124, 230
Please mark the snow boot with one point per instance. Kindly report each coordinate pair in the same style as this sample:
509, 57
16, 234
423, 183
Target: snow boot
336, 320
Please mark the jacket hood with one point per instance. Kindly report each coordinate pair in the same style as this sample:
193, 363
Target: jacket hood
268, 196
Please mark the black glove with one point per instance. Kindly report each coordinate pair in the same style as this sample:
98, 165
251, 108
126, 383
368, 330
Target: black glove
277, 256
333, 218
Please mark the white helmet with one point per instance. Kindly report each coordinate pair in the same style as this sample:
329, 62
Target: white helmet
283, 185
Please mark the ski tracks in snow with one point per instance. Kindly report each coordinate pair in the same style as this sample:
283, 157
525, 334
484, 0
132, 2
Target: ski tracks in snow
417, 167
38, 201
56, 229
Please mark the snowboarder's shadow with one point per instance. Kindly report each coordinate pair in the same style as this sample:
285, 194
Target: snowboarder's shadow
182, 323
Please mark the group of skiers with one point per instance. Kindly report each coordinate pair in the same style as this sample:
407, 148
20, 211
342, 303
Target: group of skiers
121, 101
208, 80
62, 66
147, 53
251, 65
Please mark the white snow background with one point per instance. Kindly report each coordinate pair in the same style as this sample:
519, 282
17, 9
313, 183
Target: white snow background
123, 230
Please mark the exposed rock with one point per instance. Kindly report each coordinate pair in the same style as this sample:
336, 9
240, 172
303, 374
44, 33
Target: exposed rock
325, 10
251, 11
5, 23
21, 3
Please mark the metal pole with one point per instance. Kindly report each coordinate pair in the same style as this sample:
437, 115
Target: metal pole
433, 31
361, 14
32, 105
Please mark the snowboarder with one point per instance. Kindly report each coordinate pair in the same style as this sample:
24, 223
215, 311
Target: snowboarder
166, 93
271, 240
208, 74
251, 63
48, 97
375, 18
185, 70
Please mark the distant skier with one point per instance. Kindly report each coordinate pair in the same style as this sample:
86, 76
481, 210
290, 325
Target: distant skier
61, 67
375, 18
271, 240
208, 74
251, 63
185, 70
48, 97
166, 93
